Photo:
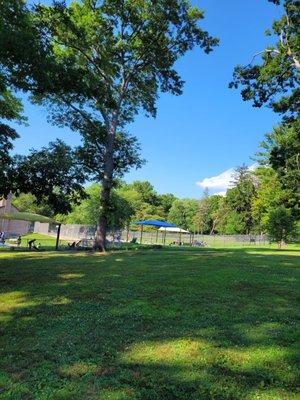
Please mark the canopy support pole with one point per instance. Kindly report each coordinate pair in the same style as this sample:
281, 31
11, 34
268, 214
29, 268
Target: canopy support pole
141, 237
156, 235
57, 236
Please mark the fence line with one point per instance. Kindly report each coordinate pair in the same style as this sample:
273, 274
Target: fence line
77, 232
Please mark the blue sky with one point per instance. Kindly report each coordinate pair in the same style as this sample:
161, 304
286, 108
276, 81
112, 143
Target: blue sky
207, 130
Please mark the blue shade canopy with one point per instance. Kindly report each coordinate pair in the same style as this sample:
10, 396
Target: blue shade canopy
154, 222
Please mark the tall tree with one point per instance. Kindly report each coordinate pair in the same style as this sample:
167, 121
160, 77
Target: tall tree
275, 80
281, 151
10, 109
124, 53
202, 216
214, 204
92, 154
269, 195
25, 58
239, 197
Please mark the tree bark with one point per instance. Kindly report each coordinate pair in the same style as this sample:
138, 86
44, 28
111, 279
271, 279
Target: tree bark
107, 181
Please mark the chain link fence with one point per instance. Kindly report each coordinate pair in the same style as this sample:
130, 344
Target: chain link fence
86, 232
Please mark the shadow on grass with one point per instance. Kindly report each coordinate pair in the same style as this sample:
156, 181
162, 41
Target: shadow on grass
170, 324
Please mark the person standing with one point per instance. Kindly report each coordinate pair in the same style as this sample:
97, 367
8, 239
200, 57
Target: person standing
19, 241
2, 237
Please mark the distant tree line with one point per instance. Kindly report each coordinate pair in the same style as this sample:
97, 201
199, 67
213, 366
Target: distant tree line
249, 206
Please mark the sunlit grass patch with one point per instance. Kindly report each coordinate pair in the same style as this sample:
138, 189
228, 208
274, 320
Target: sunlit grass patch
116, 394
14, 300
77, 369
180, 351
71, 276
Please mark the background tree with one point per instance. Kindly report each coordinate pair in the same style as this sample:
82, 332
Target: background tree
281, 150
124, 53
239, 198
214, 202
269, 195
10, 110
165, 202
146, 192
182, 213
275, 80
87, 213
129, 202
143, 199
27, 202
280, 225
202, 217
52, 174
230, 222
219, 217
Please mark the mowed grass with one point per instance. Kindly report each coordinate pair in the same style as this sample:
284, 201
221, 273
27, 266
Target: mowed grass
150, 325
42, 241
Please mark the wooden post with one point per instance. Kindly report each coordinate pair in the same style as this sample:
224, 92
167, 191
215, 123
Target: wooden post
180, 238
57, 236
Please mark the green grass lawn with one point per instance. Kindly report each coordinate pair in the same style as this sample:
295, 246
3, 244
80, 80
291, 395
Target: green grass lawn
160, 324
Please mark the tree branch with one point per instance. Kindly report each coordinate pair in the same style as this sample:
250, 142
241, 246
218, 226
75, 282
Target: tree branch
82, 113
262, 52
90, 59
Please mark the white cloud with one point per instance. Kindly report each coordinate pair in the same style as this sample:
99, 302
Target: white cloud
222, 193
220, 182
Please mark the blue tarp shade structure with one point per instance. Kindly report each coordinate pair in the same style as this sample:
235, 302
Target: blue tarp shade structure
153, 222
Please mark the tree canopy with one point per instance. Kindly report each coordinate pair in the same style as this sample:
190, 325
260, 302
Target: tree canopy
52, 175
274, 80
280, 225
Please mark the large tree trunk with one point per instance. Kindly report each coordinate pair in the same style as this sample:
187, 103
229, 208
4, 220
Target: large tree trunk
107, 181
100, 238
